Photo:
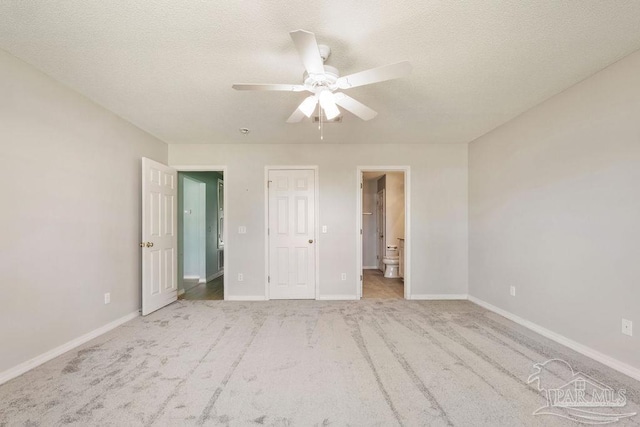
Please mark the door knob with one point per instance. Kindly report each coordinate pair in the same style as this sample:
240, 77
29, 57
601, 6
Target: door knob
149, 244
310, 240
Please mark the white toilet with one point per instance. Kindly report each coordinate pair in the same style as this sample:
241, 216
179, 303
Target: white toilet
391, 262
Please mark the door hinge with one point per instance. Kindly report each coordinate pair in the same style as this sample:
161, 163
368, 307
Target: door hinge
377, 257
360, 185
361, 277
268, 279
268, 184
361, 231
268, 231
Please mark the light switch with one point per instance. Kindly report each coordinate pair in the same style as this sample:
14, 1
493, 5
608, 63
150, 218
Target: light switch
324, 229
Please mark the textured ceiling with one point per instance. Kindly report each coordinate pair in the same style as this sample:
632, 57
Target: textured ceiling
167, 66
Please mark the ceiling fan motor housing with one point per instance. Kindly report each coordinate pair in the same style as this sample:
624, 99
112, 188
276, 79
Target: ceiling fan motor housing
317, 81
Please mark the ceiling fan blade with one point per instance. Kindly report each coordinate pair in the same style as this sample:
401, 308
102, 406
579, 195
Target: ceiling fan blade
259, 86
307, 46
296, 117
375, 75
355, 107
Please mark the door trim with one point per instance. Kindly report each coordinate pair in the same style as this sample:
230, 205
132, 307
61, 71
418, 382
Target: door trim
223, 169
407, 223
316, 229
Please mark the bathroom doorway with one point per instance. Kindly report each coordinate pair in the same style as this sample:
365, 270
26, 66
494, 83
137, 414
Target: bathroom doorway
201, 234
383, 199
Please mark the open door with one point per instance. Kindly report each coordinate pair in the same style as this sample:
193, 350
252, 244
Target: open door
381, 227
159, 235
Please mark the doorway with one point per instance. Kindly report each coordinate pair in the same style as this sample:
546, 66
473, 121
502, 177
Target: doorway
200, 234
383, 198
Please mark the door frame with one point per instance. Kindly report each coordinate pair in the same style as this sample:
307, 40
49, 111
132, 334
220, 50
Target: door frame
316, 227
223, 169
407, 223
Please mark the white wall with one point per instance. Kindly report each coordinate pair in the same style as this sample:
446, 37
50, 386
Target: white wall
70, 217
438, 209
554, 201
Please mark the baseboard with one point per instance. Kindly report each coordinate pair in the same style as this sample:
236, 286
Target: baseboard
432, 297
371, 267
560, 339
215, 275
262, 298
16, 371
337, 298
245, 298
181, 292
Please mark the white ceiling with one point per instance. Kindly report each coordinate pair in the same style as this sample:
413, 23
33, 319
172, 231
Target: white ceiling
168, 66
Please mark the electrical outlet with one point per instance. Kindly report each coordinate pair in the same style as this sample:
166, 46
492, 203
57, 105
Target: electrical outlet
107, 298
242, 230
324, 229
627, 327
240, 277
512, 291
343, 276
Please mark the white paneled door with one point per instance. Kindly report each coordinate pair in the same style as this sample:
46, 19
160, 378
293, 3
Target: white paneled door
292, 245
159, 235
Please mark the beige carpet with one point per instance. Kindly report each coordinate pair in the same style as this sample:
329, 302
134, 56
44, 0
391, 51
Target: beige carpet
370, 362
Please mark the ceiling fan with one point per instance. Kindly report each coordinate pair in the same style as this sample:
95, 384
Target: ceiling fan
323, 81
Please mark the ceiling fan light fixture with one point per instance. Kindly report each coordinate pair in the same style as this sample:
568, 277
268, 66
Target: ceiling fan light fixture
308, 106
328, 104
